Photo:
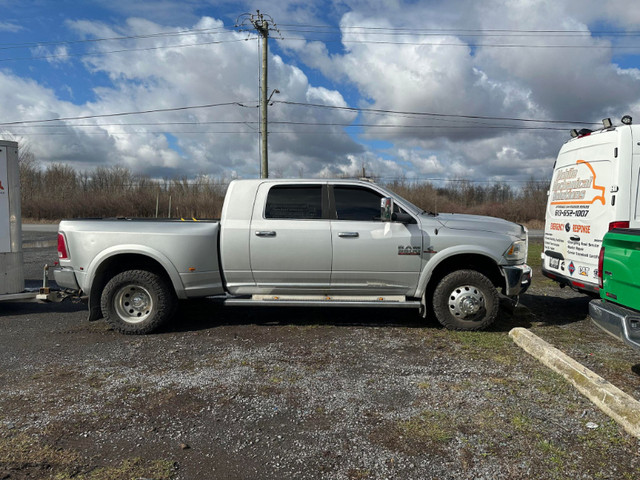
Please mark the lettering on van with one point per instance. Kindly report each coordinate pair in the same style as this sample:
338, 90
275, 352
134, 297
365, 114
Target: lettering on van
576, 186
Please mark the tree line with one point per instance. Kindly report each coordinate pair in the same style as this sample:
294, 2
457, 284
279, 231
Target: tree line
58, 191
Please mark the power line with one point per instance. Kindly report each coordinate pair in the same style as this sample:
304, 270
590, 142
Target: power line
208, 31
142, 49
106, 115
463, 31
409, 114
429, 114
467, 45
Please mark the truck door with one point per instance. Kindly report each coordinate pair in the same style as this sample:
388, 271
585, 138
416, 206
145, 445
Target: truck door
290, 241
371, 257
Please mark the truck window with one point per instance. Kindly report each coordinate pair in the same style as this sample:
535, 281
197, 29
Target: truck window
294, 202
354, 203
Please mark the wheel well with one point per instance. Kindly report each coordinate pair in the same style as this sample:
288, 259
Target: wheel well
114, 265
469, 261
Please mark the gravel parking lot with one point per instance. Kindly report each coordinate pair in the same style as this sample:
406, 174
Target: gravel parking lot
304, 394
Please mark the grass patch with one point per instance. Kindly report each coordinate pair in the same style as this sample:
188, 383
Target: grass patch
358, 474
29, 457
521, 423
130, 468
485, 345
533, 256
428, 427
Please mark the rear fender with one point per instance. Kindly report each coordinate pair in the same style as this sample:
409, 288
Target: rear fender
108, 255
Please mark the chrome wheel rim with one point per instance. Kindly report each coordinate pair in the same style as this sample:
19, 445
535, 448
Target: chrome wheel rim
133, 303
466, 302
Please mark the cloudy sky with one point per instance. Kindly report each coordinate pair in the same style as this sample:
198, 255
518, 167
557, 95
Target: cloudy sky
485, 90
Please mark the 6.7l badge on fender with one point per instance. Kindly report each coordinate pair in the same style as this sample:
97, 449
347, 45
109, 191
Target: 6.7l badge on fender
409, 250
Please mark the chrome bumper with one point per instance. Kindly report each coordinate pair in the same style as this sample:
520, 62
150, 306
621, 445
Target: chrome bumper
616, 320
517, 279
65, 278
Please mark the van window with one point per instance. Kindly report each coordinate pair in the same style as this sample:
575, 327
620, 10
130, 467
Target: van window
294, 202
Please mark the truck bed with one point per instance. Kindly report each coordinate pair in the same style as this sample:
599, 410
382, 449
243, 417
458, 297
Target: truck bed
187, 250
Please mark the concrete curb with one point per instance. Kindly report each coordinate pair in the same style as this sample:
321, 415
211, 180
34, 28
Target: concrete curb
623, 408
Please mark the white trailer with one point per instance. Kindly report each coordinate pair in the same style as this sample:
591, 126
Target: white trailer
11, 260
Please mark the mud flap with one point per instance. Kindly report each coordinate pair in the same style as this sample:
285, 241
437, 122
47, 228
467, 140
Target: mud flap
95, 313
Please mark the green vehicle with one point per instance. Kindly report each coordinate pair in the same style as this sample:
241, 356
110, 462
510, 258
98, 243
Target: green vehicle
617, 311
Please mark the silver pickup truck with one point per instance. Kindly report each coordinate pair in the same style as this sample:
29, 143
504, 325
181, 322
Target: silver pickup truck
297, 243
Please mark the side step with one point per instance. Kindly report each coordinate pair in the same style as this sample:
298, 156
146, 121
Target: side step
389, 301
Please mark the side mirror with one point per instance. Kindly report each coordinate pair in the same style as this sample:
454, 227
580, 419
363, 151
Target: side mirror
386, 209
402, 218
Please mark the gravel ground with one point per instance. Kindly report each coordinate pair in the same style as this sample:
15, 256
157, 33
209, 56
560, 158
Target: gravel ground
228, 393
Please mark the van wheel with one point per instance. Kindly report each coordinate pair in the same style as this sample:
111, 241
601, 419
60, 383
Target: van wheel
465, 300
136, 302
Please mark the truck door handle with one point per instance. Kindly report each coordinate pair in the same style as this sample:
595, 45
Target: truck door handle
265, 233
348, 235
575, 238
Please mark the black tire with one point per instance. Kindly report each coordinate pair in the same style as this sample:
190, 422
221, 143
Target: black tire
136, 302
466, 300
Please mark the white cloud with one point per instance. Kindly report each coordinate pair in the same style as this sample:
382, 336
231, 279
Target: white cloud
187, 70
462, 72
9, 27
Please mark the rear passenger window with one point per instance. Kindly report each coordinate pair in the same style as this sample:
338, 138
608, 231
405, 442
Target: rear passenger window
294, 202
353, 203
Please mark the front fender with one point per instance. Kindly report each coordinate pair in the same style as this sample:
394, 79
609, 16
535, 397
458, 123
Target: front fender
447, 254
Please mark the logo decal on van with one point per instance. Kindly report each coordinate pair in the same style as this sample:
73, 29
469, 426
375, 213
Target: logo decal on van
572, 268
571, 188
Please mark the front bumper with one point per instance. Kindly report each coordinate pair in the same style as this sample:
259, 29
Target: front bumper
621, 322
65, 277
517, 279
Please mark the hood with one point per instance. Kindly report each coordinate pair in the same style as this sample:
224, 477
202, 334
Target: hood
459, 221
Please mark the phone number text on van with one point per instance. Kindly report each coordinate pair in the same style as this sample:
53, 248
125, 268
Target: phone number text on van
571, 213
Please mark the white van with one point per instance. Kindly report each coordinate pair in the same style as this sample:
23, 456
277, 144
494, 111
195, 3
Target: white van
594, 189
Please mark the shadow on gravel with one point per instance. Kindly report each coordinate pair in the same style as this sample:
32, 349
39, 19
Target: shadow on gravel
31, 308
203, 314
636, 369
557, 310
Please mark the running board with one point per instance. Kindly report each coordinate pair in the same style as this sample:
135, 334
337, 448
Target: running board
389, 301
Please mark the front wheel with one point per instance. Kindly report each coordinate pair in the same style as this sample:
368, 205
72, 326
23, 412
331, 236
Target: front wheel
137, 302
466, 300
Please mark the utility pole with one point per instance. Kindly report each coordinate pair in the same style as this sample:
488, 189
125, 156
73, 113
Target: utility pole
262, 23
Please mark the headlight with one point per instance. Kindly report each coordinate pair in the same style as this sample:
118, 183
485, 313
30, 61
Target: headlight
517, 252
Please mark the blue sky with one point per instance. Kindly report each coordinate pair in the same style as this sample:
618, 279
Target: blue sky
429, 90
